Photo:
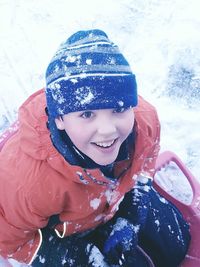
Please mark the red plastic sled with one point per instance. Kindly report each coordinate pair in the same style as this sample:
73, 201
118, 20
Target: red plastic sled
191, 211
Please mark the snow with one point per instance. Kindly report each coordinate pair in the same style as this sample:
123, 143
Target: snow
96, 257
174, 181
94, 203
159, 38
84, 95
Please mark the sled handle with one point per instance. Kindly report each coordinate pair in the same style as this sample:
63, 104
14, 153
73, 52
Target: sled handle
191, 212
168, 156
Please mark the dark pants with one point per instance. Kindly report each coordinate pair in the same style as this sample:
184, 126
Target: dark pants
164, 235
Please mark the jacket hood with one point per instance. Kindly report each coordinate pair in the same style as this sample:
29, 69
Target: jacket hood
34, 136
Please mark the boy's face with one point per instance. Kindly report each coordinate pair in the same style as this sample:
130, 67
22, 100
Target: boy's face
98, 133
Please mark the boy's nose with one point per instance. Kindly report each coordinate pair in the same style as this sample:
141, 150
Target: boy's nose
106, 128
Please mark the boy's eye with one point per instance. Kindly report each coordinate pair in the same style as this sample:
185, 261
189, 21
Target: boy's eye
119, 110
87, 114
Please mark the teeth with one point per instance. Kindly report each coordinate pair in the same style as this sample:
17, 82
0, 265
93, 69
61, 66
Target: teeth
105, 144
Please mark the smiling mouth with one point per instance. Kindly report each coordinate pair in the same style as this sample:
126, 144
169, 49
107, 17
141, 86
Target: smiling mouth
105, 144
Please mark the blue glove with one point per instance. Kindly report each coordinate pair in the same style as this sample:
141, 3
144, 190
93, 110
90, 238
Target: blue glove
123, 238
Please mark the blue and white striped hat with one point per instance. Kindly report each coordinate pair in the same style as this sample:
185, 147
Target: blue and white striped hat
88, 72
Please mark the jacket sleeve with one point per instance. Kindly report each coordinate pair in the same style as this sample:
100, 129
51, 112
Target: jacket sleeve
148, 141
20, 235
22, 214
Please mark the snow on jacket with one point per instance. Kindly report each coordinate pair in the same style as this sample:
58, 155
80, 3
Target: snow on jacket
36, 182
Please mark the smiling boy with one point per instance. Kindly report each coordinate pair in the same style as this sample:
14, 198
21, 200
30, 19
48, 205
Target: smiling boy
102, 131
75, 180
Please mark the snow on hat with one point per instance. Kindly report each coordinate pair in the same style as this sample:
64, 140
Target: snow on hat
88, 72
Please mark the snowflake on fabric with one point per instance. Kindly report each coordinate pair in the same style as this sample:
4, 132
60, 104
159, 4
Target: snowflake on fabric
94, 203
84, 95
58, 96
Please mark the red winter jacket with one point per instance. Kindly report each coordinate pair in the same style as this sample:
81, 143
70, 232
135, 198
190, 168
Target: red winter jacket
37, 182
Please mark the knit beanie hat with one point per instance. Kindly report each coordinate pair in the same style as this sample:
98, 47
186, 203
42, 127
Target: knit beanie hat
88, 72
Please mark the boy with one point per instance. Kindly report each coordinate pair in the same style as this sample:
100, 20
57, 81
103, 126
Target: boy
76, 177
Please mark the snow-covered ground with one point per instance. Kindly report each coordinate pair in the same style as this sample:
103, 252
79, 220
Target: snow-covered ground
160, 39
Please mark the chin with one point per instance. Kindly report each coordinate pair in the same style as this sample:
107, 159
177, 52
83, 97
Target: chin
104, 163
